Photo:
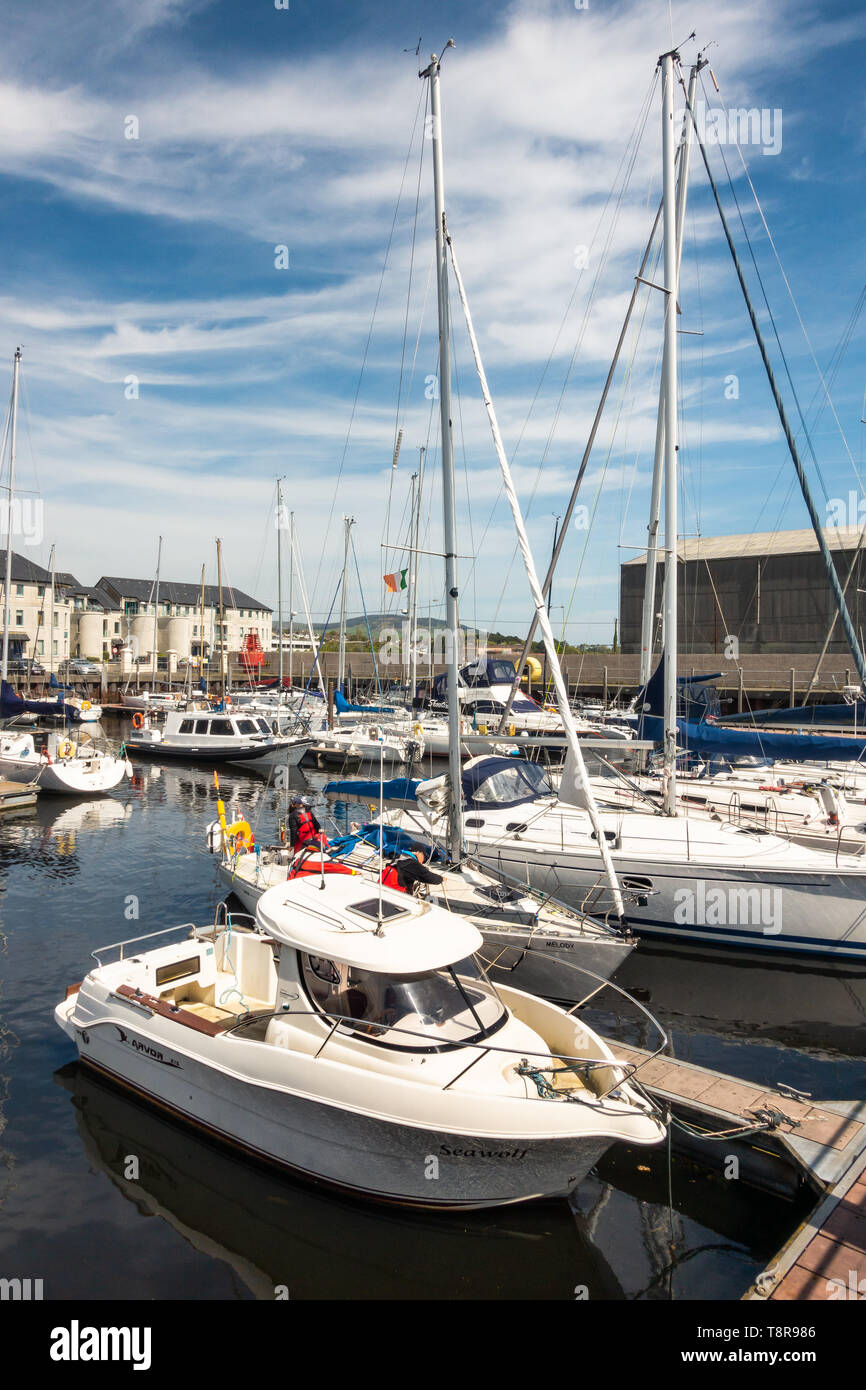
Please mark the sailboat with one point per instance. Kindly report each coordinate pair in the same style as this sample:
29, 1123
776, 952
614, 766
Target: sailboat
695, 879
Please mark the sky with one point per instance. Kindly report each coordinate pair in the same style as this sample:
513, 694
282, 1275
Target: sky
155, 154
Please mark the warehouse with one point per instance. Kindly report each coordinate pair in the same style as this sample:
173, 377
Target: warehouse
767, 590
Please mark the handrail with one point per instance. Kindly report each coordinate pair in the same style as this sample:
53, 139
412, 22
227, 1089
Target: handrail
629, 1069
190, 927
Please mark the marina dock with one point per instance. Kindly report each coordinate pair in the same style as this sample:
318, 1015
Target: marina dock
16, 796
822, 1145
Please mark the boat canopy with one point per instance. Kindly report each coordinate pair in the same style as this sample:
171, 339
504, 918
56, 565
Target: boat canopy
393, 788
339, 922
497, 781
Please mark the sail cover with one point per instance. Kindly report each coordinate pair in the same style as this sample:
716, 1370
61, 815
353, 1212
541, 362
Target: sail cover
698, 732
12, 704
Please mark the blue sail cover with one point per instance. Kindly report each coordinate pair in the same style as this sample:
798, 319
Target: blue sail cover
395, 842
696, 734
803, 716
393, 789
342, 706
12, 704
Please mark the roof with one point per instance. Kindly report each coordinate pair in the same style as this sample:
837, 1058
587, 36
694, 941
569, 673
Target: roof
326, 923
25, 571
760, 543
171, 592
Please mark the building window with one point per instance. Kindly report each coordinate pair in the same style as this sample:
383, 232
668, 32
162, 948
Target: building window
40, 592
54, 647
19, 618
19, 590
40, 617
56, 615
117, 628
41, 646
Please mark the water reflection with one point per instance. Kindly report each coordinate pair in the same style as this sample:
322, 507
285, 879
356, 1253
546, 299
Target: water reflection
273, 1231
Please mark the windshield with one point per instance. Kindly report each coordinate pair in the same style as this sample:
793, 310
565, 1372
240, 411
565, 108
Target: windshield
507, 784
427, 1012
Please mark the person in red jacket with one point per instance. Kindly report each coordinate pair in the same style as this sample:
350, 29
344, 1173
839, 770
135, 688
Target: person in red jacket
304, 829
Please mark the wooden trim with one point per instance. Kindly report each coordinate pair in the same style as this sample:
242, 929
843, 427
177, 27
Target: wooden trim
176, 1014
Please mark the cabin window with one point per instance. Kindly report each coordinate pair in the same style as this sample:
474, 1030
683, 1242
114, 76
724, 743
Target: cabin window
221, 728
264, 726
187, 726
246, 726
431, 1011
202, 726
509, 785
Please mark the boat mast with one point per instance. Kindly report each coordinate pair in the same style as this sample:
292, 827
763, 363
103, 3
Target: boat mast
348, 523
291, 595
221, 623
201, 666
649, 599
13, 424
156, 616
51, 620
669, 390
280, 581
448, 489
413, 615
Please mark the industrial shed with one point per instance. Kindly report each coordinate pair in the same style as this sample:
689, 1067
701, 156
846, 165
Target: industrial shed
768, 589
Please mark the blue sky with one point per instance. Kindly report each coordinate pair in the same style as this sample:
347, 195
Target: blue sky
259, 127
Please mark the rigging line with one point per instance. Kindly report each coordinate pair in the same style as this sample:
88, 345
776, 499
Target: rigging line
576, 350
366, 619
823, 386
640, 121
397, 417
806, 434
832, 577
367, 346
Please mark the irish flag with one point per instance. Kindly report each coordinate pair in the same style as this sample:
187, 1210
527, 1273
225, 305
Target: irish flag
393, 582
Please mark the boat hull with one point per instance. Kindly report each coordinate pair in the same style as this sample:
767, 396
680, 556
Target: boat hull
702, 902
65, 778
359, 1153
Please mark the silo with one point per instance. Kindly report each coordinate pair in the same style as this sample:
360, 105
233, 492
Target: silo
90, 635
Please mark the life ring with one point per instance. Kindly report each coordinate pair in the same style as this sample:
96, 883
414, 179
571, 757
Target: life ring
418, 730
138, 721
241, 837
85, 704
65, 749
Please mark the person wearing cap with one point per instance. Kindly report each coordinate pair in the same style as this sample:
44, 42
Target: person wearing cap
304, 829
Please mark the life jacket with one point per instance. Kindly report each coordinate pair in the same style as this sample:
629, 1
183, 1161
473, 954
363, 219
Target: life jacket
390, 879
306, 828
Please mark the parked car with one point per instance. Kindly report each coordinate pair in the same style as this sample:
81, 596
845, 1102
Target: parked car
77, 666
21, 666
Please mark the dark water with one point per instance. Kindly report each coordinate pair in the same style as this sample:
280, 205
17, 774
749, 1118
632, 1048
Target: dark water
202, 1223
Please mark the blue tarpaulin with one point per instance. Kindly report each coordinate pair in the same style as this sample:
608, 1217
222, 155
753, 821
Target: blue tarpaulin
394, 789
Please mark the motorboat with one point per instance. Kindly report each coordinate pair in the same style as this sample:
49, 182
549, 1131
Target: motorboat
352, 1035
61, 763
210, 736
152, 701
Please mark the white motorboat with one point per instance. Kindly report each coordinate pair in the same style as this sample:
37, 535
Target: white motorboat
354, 1038
210, 736
61, 763
369, 743
697, 879
529, 937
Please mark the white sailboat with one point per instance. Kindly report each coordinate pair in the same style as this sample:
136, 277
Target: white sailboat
698, 880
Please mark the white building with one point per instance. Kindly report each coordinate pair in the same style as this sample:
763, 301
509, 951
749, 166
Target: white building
182, 630
35, 633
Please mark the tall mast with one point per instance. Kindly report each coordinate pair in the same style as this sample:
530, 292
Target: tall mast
669, 386
280, 580
156, 614
51, 619
649, 599
291, 594
201, 667
7, 588
348, 523
221, 623
448, 489
413, 615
